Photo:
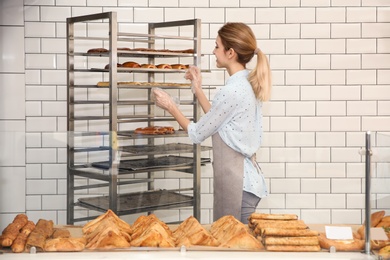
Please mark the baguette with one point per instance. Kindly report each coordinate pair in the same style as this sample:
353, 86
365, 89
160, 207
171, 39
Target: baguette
289, 232
273, 216
291, 241
19, 243
10, 233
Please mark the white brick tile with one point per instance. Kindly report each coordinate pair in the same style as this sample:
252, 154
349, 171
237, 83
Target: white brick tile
300, 15
33, 140
54, 77
62, 186
245, 15
33, 77
12, 96
340, 216
33, 108
361, 77
208, 15
300, 46
39, 29
330, 77
317, 154
273, 170
53, 45
355, 201
40, 93
79, 11
383, 77
285, 186
39, 2
71, 2
56, 139
300, 108
384, 108
13, 43
356, 139
300, 139
383, 45
330, 139
53, 202
344, 186
230, 3
379, 123
362, 45
285, 31
101, 2
33, 171
54, 14
273, 139
31, 13
331, 108
270, 15
361, 14
330, 170
274, 201
330, 46
348, 61
375, 3
300, 201
283, 93
284, 3
261, 32
33, 202
375, 61
315, 31
40, 124
40, 61
315, 124
272, 46
254, 3
315, 92
349, 92
12, 189
300, 77
330, 15
41, 187
316, 216
315, 186
284, 62
278, 77
12, 143
41, 155
362, 108
383, 201
375, 30
172, 14
348, 154
54, 108
284, 124
383, 14
285, 155
345, 123
316, 3
300, 170
346, 3
330, 201
315, 61
375, 92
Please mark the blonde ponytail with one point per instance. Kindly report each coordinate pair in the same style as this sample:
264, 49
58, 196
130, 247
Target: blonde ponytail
260, 77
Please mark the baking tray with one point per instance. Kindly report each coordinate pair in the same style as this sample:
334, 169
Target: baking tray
140, 201
151, 163
161, 149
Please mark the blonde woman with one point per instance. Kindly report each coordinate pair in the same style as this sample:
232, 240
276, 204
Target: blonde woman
233, 120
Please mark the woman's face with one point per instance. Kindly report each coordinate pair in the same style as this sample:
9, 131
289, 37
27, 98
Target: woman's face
220, 54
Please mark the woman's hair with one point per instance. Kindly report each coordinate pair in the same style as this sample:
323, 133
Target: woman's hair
242, 40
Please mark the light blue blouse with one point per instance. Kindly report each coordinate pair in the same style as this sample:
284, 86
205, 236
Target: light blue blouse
236, 115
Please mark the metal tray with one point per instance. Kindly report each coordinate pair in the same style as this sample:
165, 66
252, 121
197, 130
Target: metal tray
130, 203
162, 149
153, 163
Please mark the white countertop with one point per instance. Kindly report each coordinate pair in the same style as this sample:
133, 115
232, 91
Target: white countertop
177, 255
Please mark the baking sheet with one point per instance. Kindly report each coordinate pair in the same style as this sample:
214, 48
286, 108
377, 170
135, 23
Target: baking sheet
163, 148
153, 163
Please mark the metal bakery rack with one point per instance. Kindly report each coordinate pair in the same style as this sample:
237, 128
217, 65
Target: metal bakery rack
109, 165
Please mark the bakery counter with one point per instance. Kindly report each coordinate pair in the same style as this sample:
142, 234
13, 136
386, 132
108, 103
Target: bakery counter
146, 254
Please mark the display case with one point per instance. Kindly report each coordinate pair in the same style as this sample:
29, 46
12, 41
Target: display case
110, 165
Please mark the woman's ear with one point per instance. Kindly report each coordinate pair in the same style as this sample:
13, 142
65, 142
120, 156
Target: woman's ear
231, 53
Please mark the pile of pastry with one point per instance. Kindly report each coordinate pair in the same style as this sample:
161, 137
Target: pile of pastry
155, 130
23, 234
124, 49
108, 231
133, 64
284, 232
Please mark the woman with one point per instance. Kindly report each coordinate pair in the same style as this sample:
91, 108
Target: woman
234, 120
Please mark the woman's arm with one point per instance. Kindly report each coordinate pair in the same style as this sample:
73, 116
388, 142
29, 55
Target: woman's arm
193, 74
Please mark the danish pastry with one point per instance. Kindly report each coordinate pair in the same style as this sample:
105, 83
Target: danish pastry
164, 66
148, 66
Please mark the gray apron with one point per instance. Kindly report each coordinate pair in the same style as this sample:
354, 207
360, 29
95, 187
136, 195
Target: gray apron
228, 166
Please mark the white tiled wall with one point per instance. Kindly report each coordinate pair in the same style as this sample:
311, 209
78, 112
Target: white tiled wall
331, 73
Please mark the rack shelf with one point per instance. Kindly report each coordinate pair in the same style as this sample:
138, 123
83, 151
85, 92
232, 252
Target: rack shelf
108, 164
